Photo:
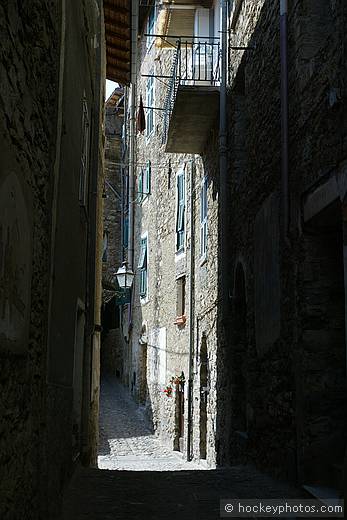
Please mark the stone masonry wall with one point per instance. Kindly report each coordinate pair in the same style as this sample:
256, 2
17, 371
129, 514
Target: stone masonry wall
168, 344
317, 147
28, 67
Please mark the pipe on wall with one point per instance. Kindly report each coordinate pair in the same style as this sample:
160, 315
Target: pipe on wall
132, 124
284, 118
191, 312
223, 158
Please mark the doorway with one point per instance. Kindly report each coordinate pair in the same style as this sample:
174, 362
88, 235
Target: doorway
322, 397
179, 404
203, 397
238, 358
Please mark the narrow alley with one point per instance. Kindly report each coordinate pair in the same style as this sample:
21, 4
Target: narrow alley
173, 257
139, 478
126, 441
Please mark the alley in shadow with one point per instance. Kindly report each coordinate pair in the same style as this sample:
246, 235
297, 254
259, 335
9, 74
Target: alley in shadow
126, 441
152, 482
96, 494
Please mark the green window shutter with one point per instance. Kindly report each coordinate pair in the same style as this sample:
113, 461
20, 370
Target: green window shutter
140, 185
148, 177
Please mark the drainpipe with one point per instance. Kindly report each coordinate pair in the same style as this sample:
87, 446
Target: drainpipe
132, 160
132, 121
284, 118
223, 165
191, 311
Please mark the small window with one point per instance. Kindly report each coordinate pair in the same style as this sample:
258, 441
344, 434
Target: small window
203, 219
84, 155
140, 185
144, 182
150, 105
147, 179
143, 268
105, 247
180, 217
181, 297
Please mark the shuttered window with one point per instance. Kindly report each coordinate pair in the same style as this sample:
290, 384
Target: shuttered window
142, 266
180, 224
203, 219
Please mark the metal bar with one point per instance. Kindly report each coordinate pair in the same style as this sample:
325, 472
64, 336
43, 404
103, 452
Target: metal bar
155, 76
182, 36
205, 62
153, 108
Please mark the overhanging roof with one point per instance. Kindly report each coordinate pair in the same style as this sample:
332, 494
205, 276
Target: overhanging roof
117, 15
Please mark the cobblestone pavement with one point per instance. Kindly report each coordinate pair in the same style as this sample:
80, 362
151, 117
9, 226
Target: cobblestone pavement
149, 485
96, 494
126, 441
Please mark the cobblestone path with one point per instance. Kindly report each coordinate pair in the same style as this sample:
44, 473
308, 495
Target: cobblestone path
96, 494
126, 441
153, 489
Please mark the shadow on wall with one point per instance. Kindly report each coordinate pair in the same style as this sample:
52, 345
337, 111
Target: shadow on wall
269, 421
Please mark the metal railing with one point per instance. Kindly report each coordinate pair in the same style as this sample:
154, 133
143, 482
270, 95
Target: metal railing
196, 62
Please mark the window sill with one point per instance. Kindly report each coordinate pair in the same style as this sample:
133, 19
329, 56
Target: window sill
144, 300
179, 254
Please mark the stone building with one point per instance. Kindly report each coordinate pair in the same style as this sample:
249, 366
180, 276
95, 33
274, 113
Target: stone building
173, 320
52, 68
112, 342
284, 366
257, 326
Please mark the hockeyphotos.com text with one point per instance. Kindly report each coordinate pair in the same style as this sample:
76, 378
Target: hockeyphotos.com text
281, 508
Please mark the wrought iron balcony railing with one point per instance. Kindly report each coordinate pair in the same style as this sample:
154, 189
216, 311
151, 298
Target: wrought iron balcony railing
196, 62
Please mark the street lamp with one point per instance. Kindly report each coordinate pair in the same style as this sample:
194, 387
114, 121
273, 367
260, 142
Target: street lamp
124, 276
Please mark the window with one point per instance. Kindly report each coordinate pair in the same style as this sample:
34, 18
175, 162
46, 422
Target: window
150, 104
147, 179
144, 182
203, 219
143, 267
181, 296
151, 26
180, 212
105, 247
84, 155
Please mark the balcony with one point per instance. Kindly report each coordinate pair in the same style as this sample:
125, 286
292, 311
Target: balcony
192, 102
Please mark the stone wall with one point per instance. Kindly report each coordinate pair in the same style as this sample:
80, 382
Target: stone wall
43, 247
29, 70
112, 352
168, 344
276, 435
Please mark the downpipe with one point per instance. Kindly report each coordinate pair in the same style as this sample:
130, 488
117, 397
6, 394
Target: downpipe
132, 124
284, 119
223, 164
132, 160
191, 312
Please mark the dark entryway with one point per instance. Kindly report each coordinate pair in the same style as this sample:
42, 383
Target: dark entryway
238, 374
203, 397
179, 437
322, 385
